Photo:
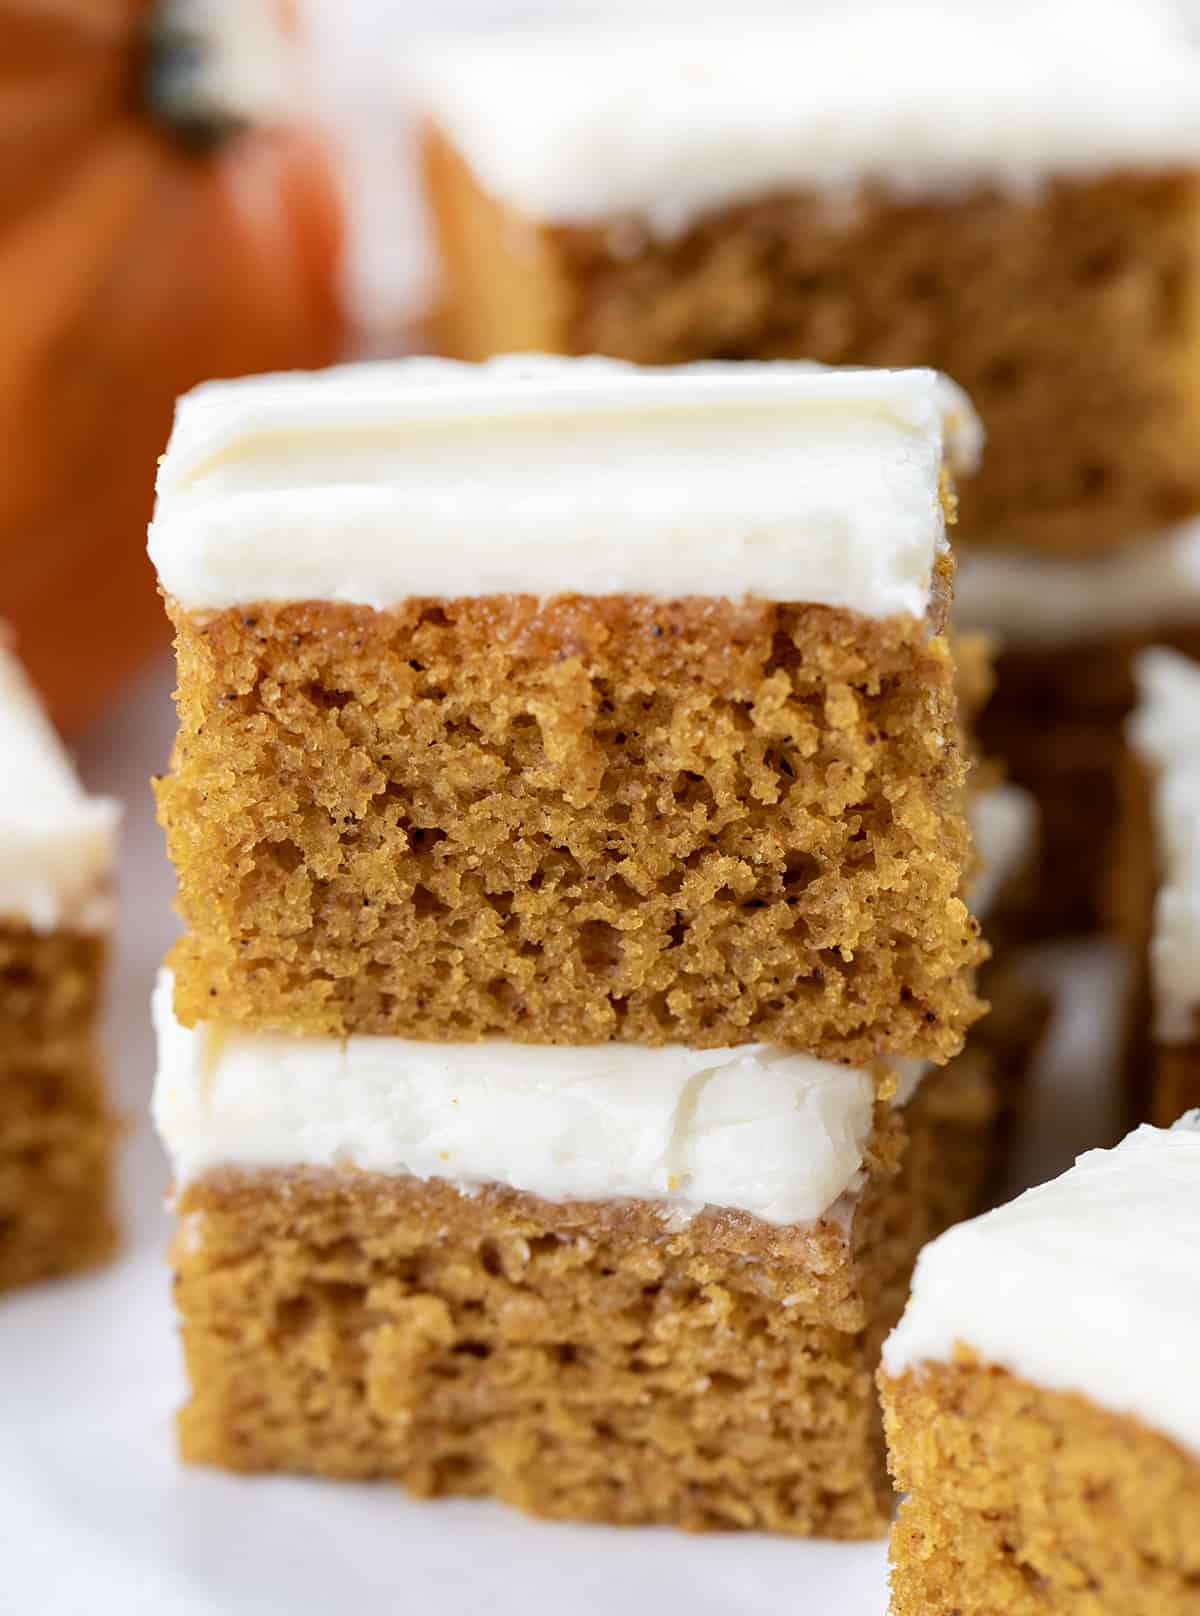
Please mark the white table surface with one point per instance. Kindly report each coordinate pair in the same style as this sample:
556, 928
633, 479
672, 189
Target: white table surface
98, 1517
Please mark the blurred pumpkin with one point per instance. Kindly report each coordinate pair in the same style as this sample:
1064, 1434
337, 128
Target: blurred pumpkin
150, 236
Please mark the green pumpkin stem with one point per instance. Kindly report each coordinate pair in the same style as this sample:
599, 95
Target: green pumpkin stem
187, 86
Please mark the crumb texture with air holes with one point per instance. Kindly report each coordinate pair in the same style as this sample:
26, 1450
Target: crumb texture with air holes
56, 1133
698, 822
1024, 1500
1069, 315
579, 1360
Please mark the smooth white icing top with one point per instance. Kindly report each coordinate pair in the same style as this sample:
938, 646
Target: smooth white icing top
371, 484
667, 121
764, 1130
1032, 600
1090, 1284
56, 843
1165, 731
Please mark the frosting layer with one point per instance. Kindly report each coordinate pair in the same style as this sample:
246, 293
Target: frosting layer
1086, 1284
56, 842
578, 125
372, 484
763, 1130
1030, 600
1165, 732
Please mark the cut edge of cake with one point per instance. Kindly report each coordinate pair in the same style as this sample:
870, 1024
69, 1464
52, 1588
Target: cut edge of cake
1038, 1397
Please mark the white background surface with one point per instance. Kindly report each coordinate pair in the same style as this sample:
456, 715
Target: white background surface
96, 1515
97, 1518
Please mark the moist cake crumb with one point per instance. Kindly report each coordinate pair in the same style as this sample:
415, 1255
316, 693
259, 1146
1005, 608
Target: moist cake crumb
695, 822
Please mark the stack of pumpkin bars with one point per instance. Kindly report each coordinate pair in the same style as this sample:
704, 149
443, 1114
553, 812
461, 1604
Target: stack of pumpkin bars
569, 812
568, 1052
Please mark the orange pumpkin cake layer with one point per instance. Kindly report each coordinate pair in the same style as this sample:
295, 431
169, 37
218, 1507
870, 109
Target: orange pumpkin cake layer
56, 1130
695, 822
821, 187
580, 1360
669, 817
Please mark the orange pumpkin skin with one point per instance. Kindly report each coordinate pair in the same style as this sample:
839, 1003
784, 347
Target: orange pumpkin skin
130, 268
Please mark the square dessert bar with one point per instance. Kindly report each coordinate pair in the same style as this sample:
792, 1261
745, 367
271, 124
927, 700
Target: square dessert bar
1157, 885
56, 1129
602, 1283
630, 1352
1041, 1401
563, 701
822, 187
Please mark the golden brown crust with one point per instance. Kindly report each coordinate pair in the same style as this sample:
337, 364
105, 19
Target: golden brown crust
1071, 318
56, 1133
1024, 1500
695, 821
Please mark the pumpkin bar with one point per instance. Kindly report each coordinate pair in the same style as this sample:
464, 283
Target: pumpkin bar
1157, 882
56, 1129
606, 1282
564, 701
821, 187
603, 1283
1069, 631
1041, 1400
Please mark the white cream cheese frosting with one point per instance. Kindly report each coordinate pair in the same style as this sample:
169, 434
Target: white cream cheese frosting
371, 484
1028, 600
56, 842
759, 1129
666, 122
1087, 1284
1165, 731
